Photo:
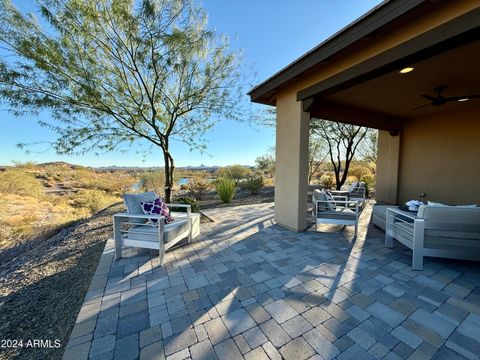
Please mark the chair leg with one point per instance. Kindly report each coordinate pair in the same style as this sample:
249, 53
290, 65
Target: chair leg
117, 237
161, 256
417, 260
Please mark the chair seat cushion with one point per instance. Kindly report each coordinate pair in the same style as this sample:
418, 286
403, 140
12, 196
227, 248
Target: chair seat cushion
150, 233
345, 214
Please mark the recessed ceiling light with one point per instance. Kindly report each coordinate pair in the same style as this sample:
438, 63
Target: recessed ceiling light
406, 70
464, 99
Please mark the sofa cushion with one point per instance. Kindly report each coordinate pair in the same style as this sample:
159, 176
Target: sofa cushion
344, 214
449, 214
132, 202
150, 233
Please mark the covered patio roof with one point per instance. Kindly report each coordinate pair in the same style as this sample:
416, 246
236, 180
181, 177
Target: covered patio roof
372, 92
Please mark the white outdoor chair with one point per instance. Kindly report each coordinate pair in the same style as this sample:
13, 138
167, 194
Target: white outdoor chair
335, 210
357, 191
135, 230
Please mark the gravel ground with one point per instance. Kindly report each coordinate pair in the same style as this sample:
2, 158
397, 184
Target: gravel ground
41, 291
242, 197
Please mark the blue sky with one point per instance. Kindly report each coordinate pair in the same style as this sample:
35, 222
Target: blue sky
272, 34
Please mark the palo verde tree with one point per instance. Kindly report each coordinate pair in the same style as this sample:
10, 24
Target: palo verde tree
342, 141
111, 72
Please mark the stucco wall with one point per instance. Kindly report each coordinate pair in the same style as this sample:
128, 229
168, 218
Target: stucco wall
291, 169
440, 156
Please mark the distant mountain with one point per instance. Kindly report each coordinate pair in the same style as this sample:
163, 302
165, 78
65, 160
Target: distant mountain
59, 163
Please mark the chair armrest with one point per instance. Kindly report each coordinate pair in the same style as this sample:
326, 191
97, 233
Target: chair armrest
347, 204
412, 217
186, 206
180, 205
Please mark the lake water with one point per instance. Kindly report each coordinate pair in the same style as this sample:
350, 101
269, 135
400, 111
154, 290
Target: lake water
183, 181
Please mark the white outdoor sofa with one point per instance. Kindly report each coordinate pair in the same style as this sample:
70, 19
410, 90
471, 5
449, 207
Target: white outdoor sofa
133, 229
436, 231
336, 210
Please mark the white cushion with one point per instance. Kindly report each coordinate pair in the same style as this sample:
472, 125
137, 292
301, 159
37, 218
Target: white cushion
150, 233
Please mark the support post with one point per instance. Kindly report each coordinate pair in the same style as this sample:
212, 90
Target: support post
291, 168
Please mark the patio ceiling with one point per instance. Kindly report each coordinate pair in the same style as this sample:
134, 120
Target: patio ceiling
388, 99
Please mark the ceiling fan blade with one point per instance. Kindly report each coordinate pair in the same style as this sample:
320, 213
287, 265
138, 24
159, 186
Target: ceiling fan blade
456, 98
428, 97
421, 106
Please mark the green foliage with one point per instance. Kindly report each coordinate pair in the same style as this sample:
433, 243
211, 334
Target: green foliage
254, 184
266, 164
153, 181
114, 72
19, 182
235, 172
94, 200
185, 200
369, 181
226, 189
327, 180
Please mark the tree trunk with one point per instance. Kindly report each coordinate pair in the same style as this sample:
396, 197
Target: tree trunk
169, 169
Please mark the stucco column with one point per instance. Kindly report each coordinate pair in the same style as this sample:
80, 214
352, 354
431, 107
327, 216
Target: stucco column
388, 160
291, 167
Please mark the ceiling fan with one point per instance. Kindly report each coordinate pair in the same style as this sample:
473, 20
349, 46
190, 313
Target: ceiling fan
441, 100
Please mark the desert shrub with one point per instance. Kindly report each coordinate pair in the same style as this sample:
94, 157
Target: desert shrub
19, 182
198, 187
153, 181
24, 217
369, 181
114, 184
358, 171
94, 200
235, 172
226, 189
185, 200
254, 184
327, 180
351, 179
266, 164
269, 181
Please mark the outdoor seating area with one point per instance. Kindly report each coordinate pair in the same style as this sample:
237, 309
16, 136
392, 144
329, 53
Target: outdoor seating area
151, 231
250, 289
436, 230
